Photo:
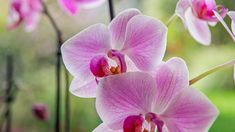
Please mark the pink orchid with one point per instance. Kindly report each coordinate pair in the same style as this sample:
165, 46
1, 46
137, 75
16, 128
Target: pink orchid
138, 102
72, 6
27, 11
131, 42
40, 111
197, 14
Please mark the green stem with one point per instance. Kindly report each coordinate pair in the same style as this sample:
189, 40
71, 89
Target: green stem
217, 68
172, 18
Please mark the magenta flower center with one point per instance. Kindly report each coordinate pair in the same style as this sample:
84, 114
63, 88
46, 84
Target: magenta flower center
102, 66
148, 123
205, 10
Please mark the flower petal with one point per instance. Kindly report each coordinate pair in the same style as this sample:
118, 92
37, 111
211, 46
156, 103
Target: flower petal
80, 49
122, 95
31, 21
145, 41
171, 77
104, 128
199, 29
182, 7
69, 5
231, 14
83, 88
190, 111
118, 26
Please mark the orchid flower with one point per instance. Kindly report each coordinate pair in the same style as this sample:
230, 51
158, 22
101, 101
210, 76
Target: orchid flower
40, 111
131, 42
139, 102
25, 11
197, 14
72, 6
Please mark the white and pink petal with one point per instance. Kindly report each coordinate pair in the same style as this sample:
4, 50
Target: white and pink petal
172, 78
118, 26
190, 111
198, 28
145, 42
124, 95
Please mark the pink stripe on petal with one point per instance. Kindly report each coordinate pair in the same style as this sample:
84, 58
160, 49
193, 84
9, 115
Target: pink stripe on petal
123, 95
198, 28
190, 111
172, 77
69, 5
145, 42
118, 27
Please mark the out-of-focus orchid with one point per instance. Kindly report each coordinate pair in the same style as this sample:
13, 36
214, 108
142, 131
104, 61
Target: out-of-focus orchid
197, 14
138, 102
131, 42
40, 111
72, 6
25, 11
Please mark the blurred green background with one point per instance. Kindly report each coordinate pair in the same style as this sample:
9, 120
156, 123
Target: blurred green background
35, 60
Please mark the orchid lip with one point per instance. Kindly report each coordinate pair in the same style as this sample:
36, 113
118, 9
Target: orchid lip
137, 123
207, 13
100, 66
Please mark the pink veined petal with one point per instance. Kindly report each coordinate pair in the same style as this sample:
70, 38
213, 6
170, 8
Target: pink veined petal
190, 111
83, 88
231, 14
104, 128
78, 51
199, 29
145, 42
120, 96
224, 24
182, 7
118, 27
69, 5
171, 77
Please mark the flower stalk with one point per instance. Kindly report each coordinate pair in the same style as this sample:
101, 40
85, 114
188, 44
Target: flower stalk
59, 42
215, 69
111, 10
172, 18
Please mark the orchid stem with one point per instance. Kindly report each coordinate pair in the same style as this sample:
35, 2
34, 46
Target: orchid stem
58, 67
172, 18
9, 78
67, 103
224, 25
217, 68
111, 10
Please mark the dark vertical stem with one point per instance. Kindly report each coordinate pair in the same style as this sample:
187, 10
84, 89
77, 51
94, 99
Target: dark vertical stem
67, 103
58, 68
9, 79
111, 9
